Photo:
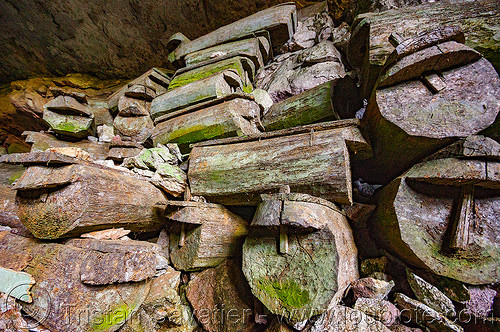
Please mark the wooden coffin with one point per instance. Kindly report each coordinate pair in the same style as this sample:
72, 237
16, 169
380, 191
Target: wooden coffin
242, 65
443, 215
43, 141
234, 115
369, 46
67, 116
299, 256
65, 201
257, 49
311, 106
209, 88
280, 21
61, 302
312, 159
137, 128
203, 234
155, 78
425, 101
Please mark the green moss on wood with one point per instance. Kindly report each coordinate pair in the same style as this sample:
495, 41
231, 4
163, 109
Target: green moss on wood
288, 292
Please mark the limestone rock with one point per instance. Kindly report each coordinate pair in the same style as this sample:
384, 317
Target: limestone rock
481, 301
105, 133
382, 310
136, 128
371, 288
430, 295
371, 265
424, 316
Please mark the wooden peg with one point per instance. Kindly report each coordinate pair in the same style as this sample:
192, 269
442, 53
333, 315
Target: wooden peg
461, 226
283, 239
395, 39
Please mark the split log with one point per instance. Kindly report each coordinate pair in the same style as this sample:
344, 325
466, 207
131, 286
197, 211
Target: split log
371, 31
68, 105
203, 90
311, 106
315, 262
221, 299
137, 128
51, 205
221, 118
203, 234
280, 21
312, 159
140, 91
44, 141
257, 49
426, 217
155, 78
60, 300
413, 119
242, 65
46, 158
128, 106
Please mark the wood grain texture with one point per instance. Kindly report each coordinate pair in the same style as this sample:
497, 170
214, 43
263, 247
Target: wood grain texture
50, 201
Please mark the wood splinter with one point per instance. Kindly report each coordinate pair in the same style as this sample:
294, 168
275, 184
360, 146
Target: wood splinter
283, 240
461, 226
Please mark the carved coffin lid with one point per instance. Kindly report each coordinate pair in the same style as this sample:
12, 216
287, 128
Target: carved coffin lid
212, 87
140, 91
242, 65
79, 126
275, 210
41, 158
443, 215
190, 212
258, 49
65, 104
280, 21
313, 159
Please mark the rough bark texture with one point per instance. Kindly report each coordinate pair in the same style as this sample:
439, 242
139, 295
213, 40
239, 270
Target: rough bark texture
237, 173
50, 205
319, 261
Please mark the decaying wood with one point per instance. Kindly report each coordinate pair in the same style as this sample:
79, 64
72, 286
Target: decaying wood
203, 90
235, 117
235, 171
311, 106
137, 128
68, 105
257, 49
140, 91
154, 78
319, 262
409, 121
69, 124
128, 106
242, 65
212, 234
50, 201
118, 261
16, 284
280, 21
41, 158
478, 20
222, 287
442, 216
43, 141
60, 300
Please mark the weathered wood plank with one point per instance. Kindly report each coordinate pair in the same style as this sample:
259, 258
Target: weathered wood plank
41, 158
69, 125
313, 266
50, 201
242, 65
203, 90
417, 211
280, 21
257, 49
137, 128
235, 117
212, 234
315, 162
477, 19
311, 106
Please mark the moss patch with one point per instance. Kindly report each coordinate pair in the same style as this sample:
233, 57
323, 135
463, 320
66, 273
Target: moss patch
288, 292
112, 318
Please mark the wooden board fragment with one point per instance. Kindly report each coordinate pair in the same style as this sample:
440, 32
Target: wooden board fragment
311, 159
203, 234
280, 21
257, 49
236, 117
318, 263
50, 201
16, 284
203, 90
442, 216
